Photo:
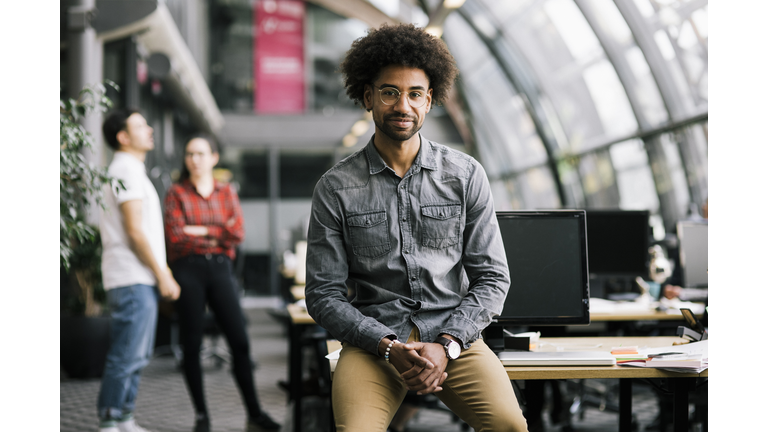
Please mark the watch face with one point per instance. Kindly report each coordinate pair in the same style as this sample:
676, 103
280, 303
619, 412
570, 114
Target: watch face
454, 350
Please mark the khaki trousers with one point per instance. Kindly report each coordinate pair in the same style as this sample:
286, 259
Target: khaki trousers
367, 391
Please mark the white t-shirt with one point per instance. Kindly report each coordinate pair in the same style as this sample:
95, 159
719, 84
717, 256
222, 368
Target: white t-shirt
119, 265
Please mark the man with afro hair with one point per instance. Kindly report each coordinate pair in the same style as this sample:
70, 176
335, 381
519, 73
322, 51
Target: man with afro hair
409, 226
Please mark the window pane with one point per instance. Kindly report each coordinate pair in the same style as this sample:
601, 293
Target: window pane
633, 175
640, 81
680, 30
538, 189
600, 189
506, 135
676, 171
572, 70
610, 99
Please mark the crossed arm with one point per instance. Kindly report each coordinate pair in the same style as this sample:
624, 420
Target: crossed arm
183, 235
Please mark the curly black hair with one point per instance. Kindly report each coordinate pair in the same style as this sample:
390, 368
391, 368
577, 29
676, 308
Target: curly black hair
403, 44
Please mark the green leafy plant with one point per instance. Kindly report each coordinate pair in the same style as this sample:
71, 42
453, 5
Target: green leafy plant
81, 184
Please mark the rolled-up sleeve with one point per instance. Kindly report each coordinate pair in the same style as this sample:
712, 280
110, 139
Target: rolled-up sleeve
484, 261
327, 272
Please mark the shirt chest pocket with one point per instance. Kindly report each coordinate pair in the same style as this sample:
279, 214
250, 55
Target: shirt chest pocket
369, 234
440, 225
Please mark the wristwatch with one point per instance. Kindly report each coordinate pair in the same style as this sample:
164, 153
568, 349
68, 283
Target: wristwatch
452, 348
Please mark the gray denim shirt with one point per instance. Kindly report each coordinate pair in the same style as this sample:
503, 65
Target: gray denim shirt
424, 250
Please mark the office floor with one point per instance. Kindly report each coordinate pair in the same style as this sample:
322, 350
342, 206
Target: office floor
164, 406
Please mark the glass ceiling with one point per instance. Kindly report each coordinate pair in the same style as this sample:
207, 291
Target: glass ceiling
587, 103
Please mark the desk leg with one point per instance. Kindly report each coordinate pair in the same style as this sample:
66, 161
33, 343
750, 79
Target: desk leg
625, 404
294, 373
680, 388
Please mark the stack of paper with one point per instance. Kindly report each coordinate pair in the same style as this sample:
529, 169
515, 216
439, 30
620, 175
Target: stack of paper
676, 361
692, 357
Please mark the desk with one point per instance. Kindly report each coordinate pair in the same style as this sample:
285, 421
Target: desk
681, 382
300, 321
650, 315
625, 374
603, 310
297, 291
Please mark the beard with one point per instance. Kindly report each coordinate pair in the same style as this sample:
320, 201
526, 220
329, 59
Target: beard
397, 134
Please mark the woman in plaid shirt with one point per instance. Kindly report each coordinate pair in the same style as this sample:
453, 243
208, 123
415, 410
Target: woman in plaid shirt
203, 225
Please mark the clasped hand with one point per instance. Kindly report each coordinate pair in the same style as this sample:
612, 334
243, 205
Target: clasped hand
421, 365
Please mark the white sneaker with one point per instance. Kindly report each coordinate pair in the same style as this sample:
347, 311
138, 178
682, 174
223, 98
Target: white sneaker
129, 426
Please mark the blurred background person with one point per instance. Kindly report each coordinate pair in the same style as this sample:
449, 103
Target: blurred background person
132, 266
203, 225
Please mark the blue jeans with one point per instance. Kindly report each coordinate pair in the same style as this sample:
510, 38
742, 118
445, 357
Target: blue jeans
132, 336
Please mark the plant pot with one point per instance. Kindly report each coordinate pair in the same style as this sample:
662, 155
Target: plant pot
84, 345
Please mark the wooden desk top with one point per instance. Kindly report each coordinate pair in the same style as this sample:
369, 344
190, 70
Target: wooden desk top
598, 344
584, 372
299, 315
297, 291
649, 315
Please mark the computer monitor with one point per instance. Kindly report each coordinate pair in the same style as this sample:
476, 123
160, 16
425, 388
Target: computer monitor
547, 258
618, 243
693, 240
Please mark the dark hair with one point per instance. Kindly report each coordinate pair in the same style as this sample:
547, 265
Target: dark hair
211, 143
403, 44
116, 122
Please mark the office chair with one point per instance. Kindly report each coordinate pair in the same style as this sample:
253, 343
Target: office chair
602, 394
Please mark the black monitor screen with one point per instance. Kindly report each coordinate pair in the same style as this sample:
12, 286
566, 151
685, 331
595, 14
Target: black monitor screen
547, 257
618, 242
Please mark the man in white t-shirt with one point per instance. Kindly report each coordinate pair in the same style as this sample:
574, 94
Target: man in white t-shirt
133, 266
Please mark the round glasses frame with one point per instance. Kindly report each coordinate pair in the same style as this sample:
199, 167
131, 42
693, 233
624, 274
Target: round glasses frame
416, 102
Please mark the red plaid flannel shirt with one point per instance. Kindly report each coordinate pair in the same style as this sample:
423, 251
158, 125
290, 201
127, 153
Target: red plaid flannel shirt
220, 213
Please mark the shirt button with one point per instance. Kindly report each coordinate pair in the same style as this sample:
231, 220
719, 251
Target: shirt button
413, 278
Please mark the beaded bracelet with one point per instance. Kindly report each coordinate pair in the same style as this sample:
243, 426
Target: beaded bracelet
386, 353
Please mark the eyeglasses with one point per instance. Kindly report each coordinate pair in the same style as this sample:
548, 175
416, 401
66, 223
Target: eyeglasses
390, 96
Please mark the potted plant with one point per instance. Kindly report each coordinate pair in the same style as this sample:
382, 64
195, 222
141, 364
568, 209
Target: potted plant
84, 328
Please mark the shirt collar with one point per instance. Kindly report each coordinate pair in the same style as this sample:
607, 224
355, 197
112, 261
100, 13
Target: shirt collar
426, 157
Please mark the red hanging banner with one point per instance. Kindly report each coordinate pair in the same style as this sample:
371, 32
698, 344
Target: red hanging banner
279, 57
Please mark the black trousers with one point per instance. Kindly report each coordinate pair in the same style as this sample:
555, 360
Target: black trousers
208, 279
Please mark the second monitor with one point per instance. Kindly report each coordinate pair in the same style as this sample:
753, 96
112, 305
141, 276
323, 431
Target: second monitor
618, 251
